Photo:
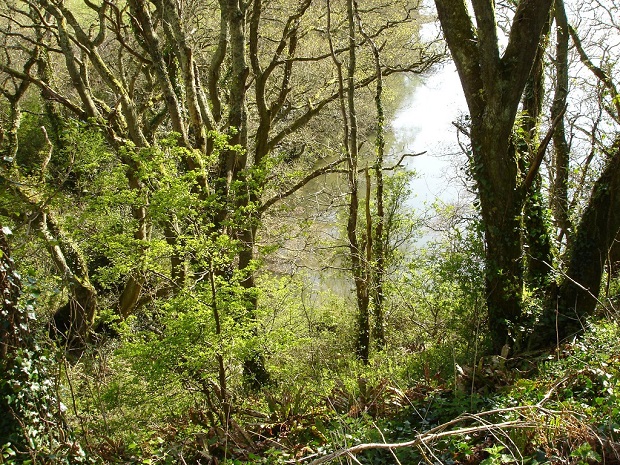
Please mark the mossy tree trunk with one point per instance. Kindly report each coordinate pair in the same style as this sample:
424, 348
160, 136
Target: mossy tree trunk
561, 151
493, 84
578, 294
537, 235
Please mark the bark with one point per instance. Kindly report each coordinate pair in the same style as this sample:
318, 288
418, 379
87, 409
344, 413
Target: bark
216, 63
493, 86
561, 158
233, 162
254, 371
64, 40
128, 122
537, 236
577, 295
379, 234
223, 387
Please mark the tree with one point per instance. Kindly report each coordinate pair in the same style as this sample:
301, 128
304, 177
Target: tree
215, 100
493, 83
506, 159
591, 244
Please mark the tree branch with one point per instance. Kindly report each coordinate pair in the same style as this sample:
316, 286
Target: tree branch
542, 148
329, 168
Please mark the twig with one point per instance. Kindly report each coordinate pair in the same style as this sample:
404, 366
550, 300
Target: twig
547, 396
329, 168
405, 155
423, 439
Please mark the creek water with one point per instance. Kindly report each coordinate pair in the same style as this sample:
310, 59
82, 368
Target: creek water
421, 122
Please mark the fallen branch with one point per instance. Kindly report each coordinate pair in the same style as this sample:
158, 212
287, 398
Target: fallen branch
440, 432
423, 438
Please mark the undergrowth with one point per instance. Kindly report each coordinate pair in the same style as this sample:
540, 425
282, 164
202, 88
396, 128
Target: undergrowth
560, 408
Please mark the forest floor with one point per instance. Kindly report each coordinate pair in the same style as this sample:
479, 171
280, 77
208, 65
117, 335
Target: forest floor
559, 408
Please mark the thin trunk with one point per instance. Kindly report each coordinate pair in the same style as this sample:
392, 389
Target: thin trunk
359, 265
223, 388
346, 96
216, 63
132, 291
232, 163
376, 259
176, 35
178, 266
561, 158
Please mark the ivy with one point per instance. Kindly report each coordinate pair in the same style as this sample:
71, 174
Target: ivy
32, 427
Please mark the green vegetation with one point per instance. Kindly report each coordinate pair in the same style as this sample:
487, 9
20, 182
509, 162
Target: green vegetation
208, 253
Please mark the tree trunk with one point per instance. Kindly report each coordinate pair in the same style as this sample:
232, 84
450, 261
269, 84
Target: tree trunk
501, 212
561, 158
359, 263
13, 320
254, 371
74, 320
577, 296
493, 85
376, 236
537, 237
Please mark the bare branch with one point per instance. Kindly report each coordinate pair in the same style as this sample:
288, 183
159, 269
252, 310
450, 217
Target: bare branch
329, 168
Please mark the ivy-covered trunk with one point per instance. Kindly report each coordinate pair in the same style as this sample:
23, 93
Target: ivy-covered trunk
577, 295
500, 205
493, 82
537, 237
32, 429
13, 320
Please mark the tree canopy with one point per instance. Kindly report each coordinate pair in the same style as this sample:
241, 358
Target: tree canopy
214, 254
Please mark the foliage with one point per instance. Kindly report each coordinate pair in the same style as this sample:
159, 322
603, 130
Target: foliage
151, 166
32, 427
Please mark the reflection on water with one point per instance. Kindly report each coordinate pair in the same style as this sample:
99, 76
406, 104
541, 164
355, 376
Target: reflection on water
424, 123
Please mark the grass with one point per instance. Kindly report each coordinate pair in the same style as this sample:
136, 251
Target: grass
560, 408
